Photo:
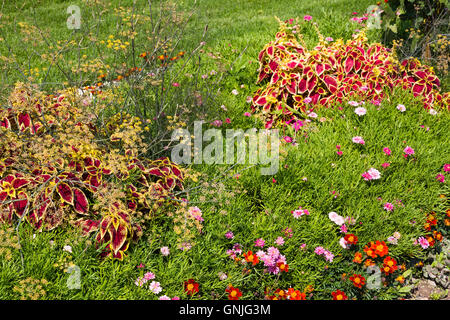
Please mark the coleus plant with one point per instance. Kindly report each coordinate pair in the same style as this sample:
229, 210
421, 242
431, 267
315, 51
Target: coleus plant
54, 171
297, 79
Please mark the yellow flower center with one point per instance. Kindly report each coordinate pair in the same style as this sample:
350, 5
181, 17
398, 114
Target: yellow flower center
190, 286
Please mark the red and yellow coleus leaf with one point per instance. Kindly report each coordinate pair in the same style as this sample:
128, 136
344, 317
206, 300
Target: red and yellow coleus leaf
65, 192
80, 201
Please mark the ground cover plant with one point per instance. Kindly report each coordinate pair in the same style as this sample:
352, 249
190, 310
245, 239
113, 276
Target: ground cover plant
93, 207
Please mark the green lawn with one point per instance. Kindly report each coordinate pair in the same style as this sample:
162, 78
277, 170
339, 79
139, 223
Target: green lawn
249, 205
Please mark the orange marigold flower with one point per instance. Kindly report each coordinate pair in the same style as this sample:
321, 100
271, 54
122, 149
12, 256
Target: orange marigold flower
296, 294
400, 279
358, 280
385, 269
369, 250
431, 241
380, 248
281, 294
431, 219
369, 262
250, 257
389, 265
437, 235
233, 293
358, 257
339, 295
191, 287
447, 222
351, 238
283, 266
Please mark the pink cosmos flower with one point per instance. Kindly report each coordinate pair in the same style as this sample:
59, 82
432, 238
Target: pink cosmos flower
307, 18
387, 151
371, 174
366, 176
299, 212
401, 108
307, 100
165, 251
339, 220
339, 153
229, 235
164, 297
260, 242
235, 92
227, 120
217, 123
312, 115
392, 240
446, 167
423, 242
343, 228
374, 173
358, 140
360, 111
175, 84
353, 103
287, 139
247, 114
329, 39
408, 151
248, 99
140, 282
155, 287
440, 177
329, 256
279, 241
319, 250
273, 252
388, 206
385, 165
